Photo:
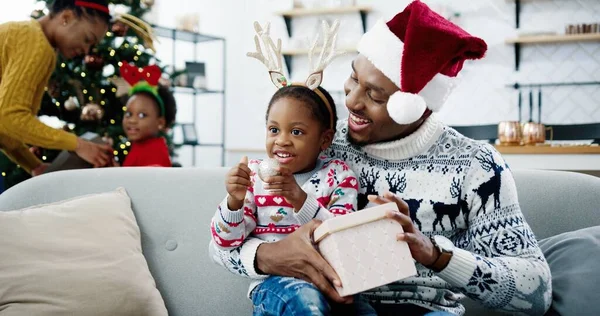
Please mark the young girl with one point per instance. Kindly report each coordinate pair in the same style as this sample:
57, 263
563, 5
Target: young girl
27, 58
151, 109
301, 122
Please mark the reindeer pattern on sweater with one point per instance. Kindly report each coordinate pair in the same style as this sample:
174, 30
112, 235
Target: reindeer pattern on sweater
461, 189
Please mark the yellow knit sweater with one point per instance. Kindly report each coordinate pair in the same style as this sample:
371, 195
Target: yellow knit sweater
26, 62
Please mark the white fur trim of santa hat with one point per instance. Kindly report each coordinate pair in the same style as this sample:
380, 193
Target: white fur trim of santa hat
384, 50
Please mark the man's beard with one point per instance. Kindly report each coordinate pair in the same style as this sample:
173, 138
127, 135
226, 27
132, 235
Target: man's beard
355, 142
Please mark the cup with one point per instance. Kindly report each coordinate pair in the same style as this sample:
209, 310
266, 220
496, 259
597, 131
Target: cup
510, 133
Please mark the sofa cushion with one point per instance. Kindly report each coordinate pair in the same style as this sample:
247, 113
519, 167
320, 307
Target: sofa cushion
81, 256
573, 259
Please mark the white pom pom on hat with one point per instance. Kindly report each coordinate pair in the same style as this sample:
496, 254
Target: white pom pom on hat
405, 108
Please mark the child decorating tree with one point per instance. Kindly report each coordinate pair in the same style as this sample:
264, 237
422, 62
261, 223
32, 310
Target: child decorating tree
273, 198
151, 109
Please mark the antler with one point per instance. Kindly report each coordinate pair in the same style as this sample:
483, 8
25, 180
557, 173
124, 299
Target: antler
487, 160
326, 55
455, 188
272, 57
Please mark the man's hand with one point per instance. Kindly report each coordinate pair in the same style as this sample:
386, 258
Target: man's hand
296, 256
421, 247
285, 185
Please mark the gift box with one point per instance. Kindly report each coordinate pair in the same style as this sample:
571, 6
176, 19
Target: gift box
68, 160
362, 248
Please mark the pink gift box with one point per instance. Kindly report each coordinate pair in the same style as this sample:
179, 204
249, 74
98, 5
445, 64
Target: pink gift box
362, 248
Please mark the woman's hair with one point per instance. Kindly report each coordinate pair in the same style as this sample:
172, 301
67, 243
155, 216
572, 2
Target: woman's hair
60, 5
168, 100
312, 100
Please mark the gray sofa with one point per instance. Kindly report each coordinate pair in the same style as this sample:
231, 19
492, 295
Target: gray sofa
176, 204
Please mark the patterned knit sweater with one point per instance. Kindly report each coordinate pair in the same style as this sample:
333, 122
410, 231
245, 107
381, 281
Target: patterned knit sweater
331, 189
458, 188
26, 62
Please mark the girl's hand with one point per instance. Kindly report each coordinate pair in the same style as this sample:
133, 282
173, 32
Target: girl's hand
237, 183
285, 185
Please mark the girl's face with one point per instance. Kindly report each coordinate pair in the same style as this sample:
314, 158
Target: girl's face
142, 119
294, 137
75, 35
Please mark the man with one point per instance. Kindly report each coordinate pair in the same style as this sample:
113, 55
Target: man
458, 200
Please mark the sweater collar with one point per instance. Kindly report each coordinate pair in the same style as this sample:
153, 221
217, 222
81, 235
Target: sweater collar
412, 145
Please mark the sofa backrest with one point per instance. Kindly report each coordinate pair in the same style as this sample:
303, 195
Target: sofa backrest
555, 202
175, 205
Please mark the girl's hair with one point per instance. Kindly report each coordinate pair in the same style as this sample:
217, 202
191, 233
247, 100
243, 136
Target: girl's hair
60, 5
169, 101
311, 99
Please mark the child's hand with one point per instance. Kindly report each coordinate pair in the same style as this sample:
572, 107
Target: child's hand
237, 183
285, 185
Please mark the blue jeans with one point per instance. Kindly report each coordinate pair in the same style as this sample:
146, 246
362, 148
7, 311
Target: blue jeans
290, 296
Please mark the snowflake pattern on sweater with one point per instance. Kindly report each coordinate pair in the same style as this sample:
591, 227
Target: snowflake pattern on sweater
461, 189
331, 189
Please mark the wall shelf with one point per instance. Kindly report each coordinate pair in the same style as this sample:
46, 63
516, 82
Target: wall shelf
186, 36
548, 39
290, 53
543, 39
289, 14
548, 150
552, 39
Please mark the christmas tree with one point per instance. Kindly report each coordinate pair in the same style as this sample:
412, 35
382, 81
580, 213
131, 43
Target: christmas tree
80, 93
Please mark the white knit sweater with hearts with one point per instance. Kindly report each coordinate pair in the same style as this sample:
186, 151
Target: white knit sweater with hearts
331, 188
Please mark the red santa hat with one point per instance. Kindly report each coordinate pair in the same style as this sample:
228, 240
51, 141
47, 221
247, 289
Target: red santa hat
422, 53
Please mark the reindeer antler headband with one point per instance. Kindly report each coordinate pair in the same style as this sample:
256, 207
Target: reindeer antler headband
134, 80
272, 59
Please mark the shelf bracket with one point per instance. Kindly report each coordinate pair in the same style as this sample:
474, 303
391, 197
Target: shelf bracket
363, 18
517, 12
288, 64
288, 24
517, 56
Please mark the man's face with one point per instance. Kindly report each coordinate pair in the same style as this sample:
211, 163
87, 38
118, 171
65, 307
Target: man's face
367, 93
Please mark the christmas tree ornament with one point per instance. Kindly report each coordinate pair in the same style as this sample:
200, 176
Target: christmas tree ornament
36, 14
92, 112
71, 104
119, 28
268, 168
54, 89
107, 139
93, 61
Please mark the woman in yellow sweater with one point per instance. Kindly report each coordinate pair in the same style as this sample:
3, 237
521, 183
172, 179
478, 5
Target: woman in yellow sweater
27, 59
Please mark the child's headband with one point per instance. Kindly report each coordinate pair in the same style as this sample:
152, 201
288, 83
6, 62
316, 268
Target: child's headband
272, 59
134, 80
92, 5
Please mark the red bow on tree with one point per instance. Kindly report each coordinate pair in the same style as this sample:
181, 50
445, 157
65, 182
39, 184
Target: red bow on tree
132, 74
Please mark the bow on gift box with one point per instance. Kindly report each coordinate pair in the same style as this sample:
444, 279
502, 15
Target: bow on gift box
134, 80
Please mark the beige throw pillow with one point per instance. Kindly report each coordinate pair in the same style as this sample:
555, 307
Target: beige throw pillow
81, 256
